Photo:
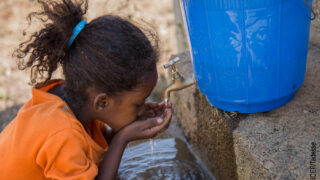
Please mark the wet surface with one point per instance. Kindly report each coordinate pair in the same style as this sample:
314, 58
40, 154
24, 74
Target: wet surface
168, 158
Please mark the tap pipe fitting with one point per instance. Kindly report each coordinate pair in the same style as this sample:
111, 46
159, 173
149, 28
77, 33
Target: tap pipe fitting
178, 81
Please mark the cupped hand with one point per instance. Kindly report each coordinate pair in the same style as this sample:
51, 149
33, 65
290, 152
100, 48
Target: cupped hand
152, 109
150, 127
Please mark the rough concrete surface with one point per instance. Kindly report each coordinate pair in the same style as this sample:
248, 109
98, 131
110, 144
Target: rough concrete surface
315, 24
270, 145
208, 129
279, 141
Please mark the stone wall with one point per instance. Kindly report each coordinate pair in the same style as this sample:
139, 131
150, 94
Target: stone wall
207, 128
315, 25
270, 145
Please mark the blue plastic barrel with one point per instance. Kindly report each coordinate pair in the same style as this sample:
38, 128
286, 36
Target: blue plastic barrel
248, 55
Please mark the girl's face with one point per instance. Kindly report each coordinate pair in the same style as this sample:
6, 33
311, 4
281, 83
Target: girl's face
122, 110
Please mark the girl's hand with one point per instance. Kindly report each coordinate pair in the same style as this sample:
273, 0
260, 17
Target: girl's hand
151, 109
149, 127
136, 130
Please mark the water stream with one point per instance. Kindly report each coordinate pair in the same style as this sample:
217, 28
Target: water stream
166, 157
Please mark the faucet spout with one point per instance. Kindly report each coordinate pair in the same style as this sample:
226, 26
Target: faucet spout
178, 84
178, 81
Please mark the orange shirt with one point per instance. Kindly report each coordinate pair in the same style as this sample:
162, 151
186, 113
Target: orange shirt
46, 141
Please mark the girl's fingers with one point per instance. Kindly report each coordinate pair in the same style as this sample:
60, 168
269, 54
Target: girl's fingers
151, 113
166, 122
151, 104
152, 122
168, 116
162, 103
161, 107
158, 107
165, 105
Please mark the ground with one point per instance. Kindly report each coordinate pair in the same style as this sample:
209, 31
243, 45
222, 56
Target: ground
14, 88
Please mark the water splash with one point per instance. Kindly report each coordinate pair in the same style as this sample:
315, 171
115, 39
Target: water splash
155, 159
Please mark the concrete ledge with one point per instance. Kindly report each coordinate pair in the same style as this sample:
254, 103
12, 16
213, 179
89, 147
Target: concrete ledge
279, 141
271, 145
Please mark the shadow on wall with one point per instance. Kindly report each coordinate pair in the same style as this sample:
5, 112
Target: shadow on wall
7, 115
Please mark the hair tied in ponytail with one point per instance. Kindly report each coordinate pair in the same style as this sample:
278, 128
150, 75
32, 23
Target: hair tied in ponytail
76, 31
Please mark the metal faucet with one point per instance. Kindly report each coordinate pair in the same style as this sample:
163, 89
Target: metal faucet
178, 81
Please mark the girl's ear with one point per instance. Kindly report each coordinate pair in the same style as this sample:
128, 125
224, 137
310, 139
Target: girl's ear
101, 101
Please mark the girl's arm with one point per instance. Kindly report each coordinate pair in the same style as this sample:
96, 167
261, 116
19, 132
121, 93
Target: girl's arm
111, 160
137, 130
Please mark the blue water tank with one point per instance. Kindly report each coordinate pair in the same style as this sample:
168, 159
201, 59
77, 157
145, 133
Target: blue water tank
248, 55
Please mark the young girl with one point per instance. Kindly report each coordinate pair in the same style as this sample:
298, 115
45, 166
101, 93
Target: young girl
109, 67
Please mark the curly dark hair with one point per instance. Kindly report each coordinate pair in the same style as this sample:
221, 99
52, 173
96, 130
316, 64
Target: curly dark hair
110, 53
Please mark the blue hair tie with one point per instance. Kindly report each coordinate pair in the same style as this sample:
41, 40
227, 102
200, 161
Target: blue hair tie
76, 31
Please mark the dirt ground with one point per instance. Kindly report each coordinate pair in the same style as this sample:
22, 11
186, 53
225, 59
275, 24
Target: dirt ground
14, 88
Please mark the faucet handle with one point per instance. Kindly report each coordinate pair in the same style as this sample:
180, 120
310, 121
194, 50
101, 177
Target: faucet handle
171, 63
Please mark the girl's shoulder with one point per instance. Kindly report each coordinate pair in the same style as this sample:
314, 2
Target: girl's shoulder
48, 112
